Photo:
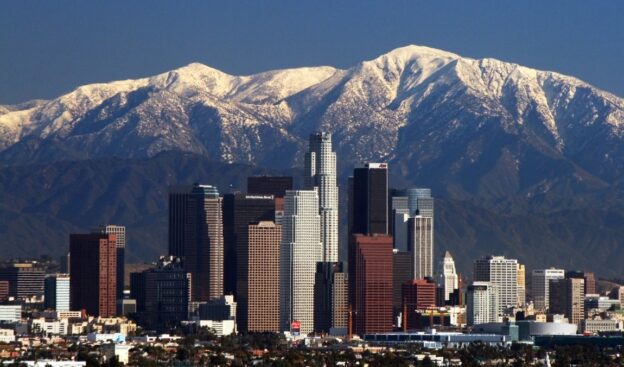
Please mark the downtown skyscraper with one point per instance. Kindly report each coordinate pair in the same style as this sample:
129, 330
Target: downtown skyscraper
196, 235
320, 172
301, 249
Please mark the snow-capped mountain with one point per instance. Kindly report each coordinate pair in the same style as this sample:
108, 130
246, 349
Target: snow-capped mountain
468, 127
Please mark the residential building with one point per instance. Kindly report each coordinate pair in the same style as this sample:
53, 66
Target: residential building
482, 303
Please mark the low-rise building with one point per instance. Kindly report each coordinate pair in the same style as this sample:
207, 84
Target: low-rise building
597, 325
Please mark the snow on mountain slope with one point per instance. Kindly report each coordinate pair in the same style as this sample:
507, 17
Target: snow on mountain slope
434, 114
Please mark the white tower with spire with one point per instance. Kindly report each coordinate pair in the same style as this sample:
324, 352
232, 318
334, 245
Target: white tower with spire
320, 174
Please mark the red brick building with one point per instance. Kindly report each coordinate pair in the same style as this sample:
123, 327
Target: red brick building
373, 284
93, 273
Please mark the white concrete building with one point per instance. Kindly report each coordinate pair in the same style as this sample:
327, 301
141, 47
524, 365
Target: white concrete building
10, 313
420, 242
301, 250
540, 279
503, 273
482, 303
320, 173
448, 280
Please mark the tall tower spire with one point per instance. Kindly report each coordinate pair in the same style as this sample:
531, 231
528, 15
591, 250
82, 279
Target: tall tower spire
320, 173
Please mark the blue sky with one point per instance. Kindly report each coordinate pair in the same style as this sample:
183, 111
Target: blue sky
50, 47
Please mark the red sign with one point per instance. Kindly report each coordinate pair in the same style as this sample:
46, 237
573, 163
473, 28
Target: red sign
295, 327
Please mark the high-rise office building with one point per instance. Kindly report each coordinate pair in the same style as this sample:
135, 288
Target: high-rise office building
567, 296
93, 278
369, 199
269, 185
57, 292
407, 204
402, 271
482, 303
120, 240
448, 279
590, 279
330, 297
162, 294
301, 250
540, 286
258, 300
417, 295
25, 280
239, 210
368, 210
320, 173
373, 283
420, 243
196, 235
502, 273
521, 285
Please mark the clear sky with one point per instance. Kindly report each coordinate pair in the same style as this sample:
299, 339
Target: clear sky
50, 47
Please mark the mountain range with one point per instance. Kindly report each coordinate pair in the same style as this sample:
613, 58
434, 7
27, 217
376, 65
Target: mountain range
523, 162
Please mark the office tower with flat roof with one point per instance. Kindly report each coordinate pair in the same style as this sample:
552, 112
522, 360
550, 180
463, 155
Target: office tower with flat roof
258, 299
162, 294
369, 199
269, 185
93, 278
402, 271
330, 297
540, 286
482, 303
240, 210
502, 273
417, 295
196, 235
448, 279
373, 283
320, 173
25, 280
56, 290
420, 243
120, 240
398, 220
567, 296
301, 250
368, 210
590, 279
